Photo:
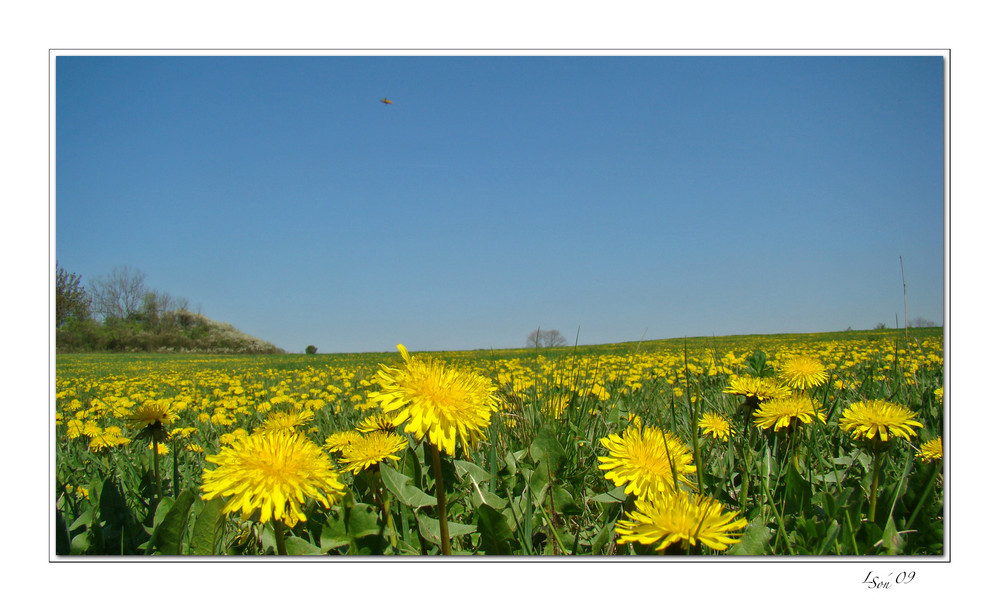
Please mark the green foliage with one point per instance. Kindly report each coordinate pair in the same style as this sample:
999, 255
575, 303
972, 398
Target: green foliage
406, 493
72, 300
208, 527
168, 529
157, 331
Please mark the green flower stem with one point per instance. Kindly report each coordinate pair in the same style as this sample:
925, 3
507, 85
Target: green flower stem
156, 469
176, 471
873, 497
745, 484
697, 450
923, 496
279, 536
795, 443
743, 489
780, 519
693, 416
441, 505
387, 514
850, 532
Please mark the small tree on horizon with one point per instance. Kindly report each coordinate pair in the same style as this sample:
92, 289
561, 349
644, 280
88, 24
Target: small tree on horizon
311, 350
545, 338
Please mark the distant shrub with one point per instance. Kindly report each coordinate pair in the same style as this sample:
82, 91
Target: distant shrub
311, 350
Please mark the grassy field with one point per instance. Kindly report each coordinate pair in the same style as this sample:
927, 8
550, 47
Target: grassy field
742, 445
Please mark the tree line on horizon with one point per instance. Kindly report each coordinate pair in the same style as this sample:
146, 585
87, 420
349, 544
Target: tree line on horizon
120, 312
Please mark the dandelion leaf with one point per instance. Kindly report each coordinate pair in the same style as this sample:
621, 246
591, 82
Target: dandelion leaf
891, 540
546, 450
169, 533
407, 494
334, 534
614, 496
494, 531
363, 521
295, 545
755, 541
207, 527
430, 528
471, 469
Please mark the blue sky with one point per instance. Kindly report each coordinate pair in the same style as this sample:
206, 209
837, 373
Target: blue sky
624, 197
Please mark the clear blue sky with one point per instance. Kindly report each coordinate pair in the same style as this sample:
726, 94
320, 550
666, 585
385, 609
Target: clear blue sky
621, 196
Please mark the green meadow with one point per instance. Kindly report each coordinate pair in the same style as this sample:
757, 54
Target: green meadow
567, 461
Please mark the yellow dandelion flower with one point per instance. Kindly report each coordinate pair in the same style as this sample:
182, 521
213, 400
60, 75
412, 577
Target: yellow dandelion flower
152, 414
314, 404
182, 432
109, 438
161, 449
229, 437
376, 422
867, 419
646, 458
339, 440
150, 418
370, 449
222, 419
781, 413
437, 402
677, 517
273, 472
803, 372
79, 492
600, 392
756, 389
285, 420
932, 450
91, 429
715, 425
74, 428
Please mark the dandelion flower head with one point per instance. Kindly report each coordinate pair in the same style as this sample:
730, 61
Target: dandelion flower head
229, 437
674, 517
715, 425
931, 450
646, 458
339, 440
803, 372
440, 403
109, 438
756, 388
370, 449
274, 472
781, 413
867, 419
285, 420
378, 421
152, 413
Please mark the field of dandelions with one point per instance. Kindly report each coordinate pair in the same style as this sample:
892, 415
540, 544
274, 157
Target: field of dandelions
820, 444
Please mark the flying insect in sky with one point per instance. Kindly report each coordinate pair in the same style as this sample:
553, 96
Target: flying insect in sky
385, 101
